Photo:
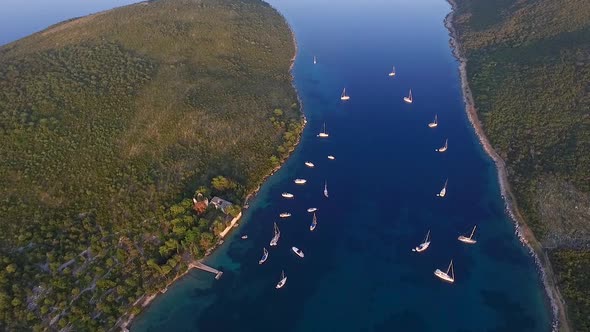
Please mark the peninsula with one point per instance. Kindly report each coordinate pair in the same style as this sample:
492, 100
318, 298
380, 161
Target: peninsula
526, 68
130, 139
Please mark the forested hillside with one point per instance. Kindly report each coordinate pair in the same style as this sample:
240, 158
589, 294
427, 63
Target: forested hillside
109, 125
529, 70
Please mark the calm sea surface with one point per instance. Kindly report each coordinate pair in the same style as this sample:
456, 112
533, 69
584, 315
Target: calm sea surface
359, 273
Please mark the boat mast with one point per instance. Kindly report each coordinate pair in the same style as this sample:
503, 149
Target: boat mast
472, 232
450, 268
427, 235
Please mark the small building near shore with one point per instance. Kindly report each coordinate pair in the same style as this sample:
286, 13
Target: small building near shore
220, 204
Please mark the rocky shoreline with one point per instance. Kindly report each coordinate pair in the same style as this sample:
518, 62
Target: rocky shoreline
524, 233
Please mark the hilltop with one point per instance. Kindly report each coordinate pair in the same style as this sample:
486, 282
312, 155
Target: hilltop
110, 125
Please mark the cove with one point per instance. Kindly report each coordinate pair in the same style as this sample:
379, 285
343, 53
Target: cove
359, 273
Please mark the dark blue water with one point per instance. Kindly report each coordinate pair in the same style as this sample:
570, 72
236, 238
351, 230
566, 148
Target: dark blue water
359, 273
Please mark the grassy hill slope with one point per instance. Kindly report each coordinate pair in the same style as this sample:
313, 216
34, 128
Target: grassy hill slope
108, 125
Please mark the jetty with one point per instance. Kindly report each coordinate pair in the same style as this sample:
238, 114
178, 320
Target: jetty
207, 268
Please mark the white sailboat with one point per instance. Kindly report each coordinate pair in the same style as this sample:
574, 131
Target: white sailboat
264, 256
283, 280
315, 60
244, 237
298, 252
285, 215
314, 223
468, 240
445, 275
287, 195
326, 189
300, 181
435, 123
409, 99
392, 72
444, 148
424, 245
275, 239
323, 133
331, 157
309, 164
310, 210
344, 97
443, 191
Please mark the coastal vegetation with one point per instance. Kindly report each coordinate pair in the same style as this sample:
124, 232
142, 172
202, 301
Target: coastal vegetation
528, 66
110, 125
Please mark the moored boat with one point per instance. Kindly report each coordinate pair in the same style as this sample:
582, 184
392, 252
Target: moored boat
314, 223
434, 124
298, 252
244, 237
444, 148
277, 235
470, 239
445, 275
300, 181
409, 99
264, 256
285, 215
326, 189
315, 60
312, 210
309, 164
392, 73
287, 195
343, 96
424, 245
323, 133
331, 157
283, 280
443, 191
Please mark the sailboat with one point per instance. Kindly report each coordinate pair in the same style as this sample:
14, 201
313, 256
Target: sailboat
468, 240
326, 189
445, 275
310, 210
392, 72
344, 96
309, 164
264, 256
408, 99
443, 191
300, 181
435, 123
331, 157
287, 195
315, 60
444, 148
314, 223
424, 245
323, 134
298, 252
276, 237
285, 215
283, 280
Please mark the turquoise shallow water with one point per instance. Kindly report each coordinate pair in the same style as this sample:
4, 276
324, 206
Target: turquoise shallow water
359, 273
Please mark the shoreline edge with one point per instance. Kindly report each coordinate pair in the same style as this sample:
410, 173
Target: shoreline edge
124, 323
522, 230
